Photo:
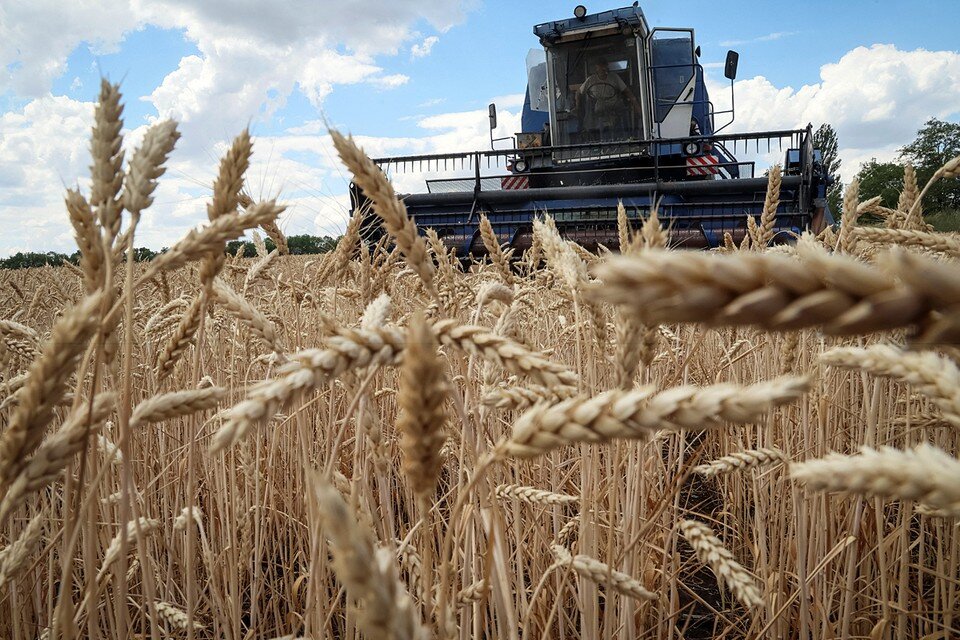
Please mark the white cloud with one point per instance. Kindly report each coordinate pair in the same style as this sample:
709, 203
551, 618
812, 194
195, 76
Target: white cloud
770, 37
875, 97
422, 49
36, 36
251, 57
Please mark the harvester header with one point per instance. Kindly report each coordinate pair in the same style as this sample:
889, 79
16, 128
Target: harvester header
615, 111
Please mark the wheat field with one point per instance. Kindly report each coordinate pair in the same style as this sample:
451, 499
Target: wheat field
385, 442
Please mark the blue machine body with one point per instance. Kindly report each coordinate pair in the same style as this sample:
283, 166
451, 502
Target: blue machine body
615, 111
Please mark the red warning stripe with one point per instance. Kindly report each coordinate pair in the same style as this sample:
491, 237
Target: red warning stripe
515, 182
702, 165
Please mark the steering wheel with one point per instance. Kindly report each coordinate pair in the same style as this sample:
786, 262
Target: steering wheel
601, 90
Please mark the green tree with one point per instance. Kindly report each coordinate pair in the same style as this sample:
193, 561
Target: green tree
25, 260
884, 179
825, 139
936, 143
306, 244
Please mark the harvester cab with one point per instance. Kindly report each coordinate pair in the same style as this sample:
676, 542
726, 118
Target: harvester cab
615, 111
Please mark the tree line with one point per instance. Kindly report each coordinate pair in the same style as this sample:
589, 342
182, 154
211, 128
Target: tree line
303, 244
936, 143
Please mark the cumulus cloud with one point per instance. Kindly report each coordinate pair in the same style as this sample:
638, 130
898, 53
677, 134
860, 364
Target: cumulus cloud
875, 97
423, 49
251, 57
36, 36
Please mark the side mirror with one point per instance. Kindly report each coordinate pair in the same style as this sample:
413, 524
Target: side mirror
696, 52
730, 66
492, 109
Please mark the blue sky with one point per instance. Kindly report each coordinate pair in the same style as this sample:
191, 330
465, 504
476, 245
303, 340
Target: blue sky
406, 76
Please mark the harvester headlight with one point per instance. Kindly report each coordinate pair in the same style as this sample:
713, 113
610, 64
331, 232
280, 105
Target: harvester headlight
691, 148
520, 165
579, 11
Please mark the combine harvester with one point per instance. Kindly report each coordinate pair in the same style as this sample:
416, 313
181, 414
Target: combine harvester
614, 111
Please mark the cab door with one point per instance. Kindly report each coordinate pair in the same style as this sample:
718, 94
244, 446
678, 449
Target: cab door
673, 80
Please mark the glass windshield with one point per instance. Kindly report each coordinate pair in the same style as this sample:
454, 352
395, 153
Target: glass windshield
537, 80
595, 90
672, 66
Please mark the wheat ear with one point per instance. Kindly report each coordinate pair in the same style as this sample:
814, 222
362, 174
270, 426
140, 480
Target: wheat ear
166, 406
421, 398
596, 571
176, 617
836, 292
46, 384
637, 414
911, 238
87, 234
740, 461
532, 495
367, 573
504, 352
933, 375
768, 217
146, 526
14, 557
492, 244
306, 371
146, 166
248, 315
925, 474
55, 452
391, 209
519, 398
711, 552
107, 153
